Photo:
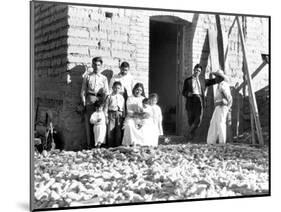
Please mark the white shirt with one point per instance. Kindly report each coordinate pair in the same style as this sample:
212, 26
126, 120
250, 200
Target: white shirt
126, 81
115, 102
98, 118
94, 83
134, 104
223, 92
196, 88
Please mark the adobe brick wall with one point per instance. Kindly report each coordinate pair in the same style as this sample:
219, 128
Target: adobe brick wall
68, 37
122, 37
50, 58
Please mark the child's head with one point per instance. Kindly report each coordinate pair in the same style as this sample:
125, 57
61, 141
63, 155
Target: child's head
153, 98
98, 105
145, 102
116, 87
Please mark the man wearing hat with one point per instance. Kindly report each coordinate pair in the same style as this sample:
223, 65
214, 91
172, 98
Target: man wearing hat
223, 102
194, 92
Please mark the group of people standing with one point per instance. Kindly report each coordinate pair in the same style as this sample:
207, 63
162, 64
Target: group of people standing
194, 91
118, 113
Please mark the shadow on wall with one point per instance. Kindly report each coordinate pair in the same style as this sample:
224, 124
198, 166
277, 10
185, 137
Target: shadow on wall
108, 73
72, 116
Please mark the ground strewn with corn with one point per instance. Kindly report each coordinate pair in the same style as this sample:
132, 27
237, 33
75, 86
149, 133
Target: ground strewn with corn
143, 174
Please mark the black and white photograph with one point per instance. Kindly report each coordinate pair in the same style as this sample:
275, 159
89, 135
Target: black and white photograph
135, 105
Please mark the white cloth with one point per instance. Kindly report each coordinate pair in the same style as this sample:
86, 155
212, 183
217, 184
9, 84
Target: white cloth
217, 129
132, 135
126, 81
149, 129
157, 118
98, 120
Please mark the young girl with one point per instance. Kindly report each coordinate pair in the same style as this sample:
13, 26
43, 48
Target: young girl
148, 128
143, 113
157, 113
98, 120
114, 109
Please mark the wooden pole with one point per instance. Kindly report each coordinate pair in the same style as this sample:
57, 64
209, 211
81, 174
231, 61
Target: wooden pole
229, 32
238, 113
214, 54
253, 134
252, 97
253, 75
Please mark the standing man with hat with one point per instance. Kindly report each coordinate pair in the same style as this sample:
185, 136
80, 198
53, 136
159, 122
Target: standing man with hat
223, 102
194, 92
94, 88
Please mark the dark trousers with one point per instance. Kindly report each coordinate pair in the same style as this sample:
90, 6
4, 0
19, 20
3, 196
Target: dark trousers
114, 129
194, 108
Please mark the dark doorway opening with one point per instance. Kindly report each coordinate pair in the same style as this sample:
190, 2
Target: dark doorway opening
163, 71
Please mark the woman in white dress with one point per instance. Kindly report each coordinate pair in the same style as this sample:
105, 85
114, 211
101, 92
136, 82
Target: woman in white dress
132, 125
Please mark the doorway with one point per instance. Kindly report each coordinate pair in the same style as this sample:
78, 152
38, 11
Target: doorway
163, 69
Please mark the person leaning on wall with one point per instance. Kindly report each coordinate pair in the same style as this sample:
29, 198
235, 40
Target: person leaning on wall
194, 92
94, 88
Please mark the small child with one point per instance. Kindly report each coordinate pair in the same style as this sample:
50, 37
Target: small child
143, 113
114, 110
99, 122
157, 113
149, 129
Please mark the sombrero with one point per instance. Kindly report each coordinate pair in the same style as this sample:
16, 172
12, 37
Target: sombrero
220, 73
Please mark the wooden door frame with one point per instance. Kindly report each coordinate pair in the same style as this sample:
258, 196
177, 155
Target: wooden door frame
179, 76
180, 104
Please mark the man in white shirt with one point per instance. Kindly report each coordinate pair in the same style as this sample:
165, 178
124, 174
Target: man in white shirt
223, 102
194, 93
94, 88
126, 80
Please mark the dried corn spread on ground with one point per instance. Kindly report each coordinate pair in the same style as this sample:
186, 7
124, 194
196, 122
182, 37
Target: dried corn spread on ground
143, 174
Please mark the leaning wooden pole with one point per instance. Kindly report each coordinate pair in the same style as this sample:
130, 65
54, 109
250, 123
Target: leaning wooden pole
252, 96
253, 75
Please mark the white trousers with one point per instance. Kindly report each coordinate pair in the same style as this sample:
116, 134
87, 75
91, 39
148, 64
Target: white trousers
217, 129
99, 132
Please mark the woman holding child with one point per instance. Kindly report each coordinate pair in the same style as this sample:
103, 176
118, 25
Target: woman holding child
137, 127
132, 134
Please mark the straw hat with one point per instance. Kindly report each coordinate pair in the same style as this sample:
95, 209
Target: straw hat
220, 73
